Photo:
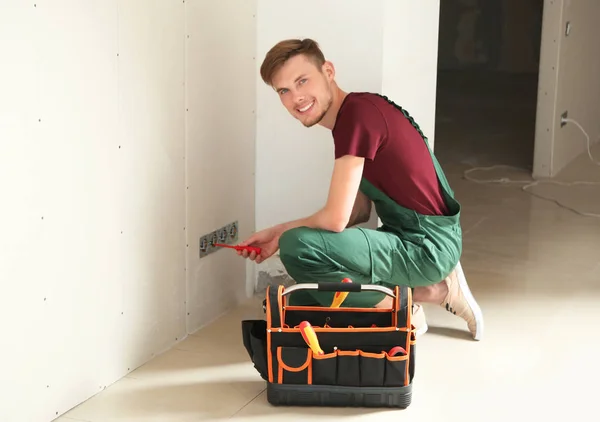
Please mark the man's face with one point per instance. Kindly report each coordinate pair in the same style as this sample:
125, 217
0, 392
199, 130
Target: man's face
304, 89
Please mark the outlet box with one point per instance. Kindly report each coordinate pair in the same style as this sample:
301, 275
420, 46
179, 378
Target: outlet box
563, 116
228, 234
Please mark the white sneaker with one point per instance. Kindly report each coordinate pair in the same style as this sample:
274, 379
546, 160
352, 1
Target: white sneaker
460, 302
418, 320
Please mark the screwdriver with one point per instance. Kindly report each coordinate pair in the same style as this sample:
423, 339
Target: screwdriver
339, 297
240, 248
310, 337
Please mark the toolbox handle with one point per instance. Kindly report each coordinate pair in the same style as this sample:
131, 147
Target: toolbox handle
332, 286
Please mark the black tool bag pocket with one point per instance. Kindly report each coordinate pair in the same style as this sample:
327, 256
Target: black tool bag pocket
372, 369
348, 372
396, 371
324, 369
294, 365
254, 334
350, 368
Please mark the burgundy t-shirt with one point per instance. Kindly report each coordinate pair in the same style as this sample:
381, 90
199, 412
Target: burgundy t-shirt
397, 160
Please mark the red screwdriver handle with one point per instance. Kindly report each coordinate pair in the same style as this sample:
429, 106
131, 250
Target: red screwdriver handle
240, 248
249, 249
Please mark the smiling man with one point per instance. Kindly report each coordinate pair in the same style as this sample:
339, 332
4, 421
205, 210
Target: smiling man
381, 158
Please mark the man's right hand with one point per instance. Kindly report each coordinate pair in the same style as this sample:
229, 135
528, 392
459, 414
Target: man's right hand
267, 240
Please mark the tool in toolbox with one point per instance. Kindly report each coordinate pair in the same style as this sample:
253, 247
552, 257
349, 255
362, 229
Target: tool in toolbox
310, 337
240, 248
333, 356
340, 296
395, 350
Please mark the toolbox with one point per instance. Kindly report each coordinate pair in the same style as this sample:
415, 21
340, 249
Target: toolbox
334, 356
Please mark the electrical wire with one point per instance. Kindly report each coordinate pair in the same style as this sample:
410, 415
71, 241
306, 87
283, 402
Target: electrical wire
589, 142
529, 183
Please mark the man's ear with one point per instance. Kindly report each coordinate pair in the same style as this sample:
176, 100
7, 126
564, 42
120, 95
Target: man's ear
328, 70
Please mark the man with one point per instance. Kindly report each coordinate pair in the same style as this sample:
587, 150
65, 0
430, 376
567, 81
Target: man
381, 157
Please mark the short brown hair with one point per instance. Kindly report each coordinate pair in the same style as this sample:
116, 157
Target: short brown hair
286, 49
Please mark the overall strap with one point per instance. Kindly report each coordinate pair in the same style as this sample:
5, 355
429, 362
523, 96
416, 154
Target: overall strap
438, 168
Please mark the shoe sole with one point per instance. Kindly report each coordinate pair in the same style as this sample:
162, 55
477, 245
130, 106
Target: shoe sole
462, 281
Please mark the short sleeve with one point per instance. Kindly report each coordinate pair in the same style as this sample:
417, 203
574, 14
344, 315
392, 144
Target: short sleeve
359, 129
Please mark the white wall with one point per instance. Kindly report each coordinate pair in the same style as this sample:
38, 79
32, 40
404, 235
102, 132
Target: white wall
93, 180
221, 126
384, 46
285, 187
116, 119
410, 52
569, 69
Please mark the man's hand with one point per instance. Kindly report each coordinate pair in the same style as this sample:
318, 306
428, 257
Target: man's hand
267, 240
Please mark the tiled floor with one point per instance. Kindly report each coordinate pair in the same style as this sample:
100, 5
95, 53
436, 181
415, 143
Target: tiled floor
534, 268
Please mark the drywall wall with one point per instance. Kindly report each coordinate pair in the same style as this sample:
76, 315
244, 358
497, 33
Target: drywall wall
386, 46
220, 137
92, 252
294, 164
127, 130
409, 69
568, 81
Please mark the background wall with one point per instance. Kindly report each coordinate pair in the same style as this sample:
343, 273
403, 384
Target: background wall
569, 71
409, 69
285, 187
498, 35
373, 46
93, 258
220, 133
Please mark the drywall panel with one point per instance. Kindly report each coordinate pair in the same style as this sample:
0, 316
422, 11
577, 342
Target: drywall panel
294, 164
547, 117
410, 52
151, 188
220, 137
92, 253
578, 81
568, 81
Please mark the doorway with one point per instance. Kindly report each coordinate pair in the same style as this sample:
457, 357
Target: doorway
487, 83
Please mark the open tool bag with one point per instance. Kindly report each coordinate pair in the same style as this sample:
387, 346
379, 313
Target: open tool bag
327, 356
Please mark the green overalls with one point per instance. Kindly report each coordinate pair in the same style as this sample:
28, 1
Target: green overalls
408, 249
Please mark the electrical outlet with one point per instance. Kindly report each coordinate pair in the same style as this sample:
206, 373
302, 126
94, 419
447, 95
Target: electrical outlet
227, 234
232, 231
562, 119
222, 235
203, 245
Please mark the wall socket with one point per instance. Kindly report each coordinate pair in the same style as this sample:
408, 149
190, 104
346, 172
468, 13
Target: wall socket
227, 234
563, 116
